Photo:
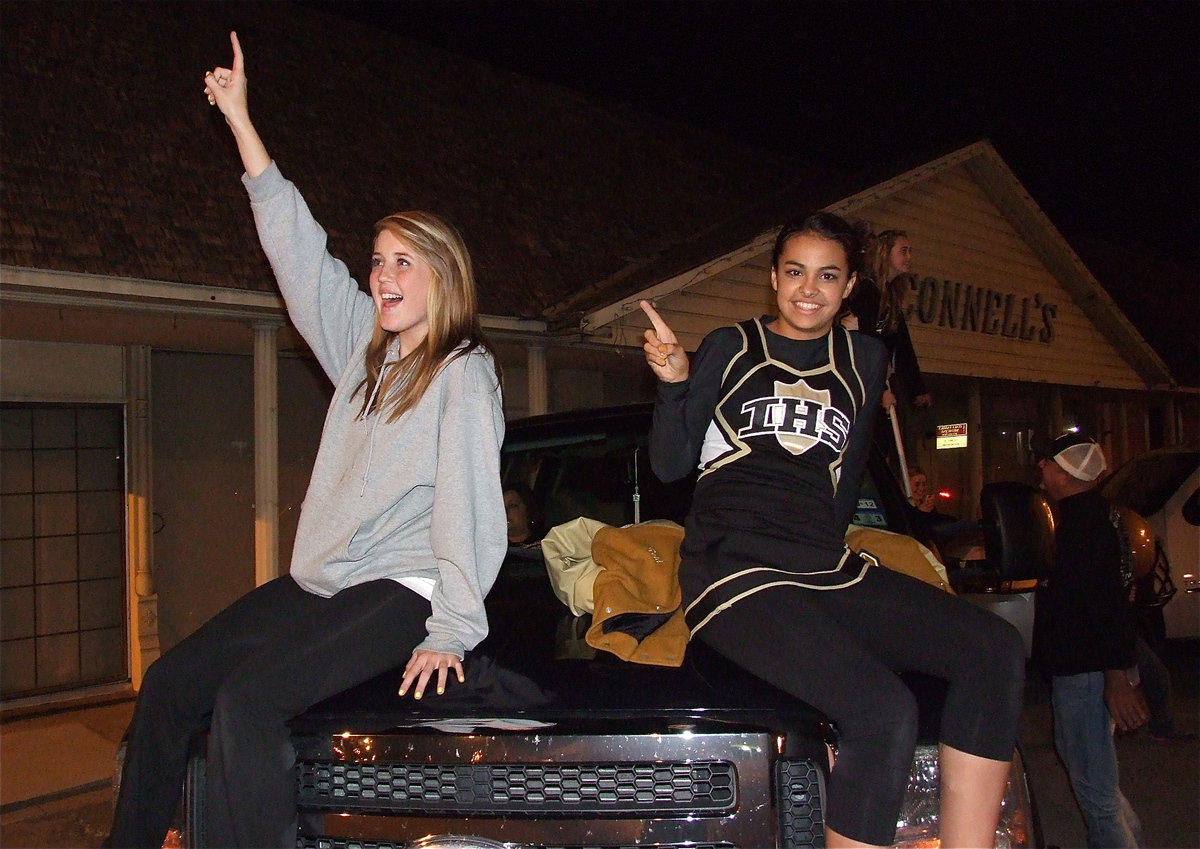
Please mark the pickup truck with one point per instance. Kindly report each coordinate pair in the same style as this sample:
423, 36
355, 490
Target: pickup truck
550, 743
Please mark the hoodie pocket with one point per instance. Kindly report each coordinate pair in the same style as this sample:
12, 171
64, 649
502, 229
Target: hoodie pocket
399, 528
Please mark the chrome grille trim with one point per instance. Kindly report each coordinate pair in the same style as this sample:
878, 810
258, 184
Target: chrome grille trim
346, 843
531, 789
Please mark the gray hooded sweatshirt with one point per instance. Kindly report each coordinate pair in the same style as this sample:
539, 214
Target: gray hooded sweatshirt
418, 498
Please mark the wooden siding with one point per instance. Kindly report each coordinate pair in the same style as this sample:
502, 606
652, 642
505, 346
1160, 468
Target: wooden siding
726, 297
959, 235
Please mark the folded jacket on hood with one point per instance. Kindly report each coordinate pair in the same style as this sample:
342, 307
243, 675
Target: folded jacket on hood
900, 554
636, 593
567, 550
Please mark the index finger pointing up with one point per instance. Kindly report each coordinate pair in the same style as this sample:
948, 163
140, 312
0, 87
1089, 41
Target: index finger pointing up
665, 334
238, 63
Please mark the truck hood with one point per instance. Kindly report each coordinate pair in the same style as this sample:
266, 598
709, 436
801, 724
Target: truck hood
535, 667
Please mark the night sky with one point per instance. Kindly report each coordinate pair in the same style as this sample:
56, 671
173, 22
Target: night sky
1095, 106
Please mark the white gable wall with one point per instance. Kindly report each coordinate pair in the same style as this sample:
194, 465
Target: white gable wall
710, 302
960, 239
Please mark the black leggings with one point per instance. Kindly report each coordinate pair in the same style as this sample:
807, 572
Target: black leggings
839, 650
243, 675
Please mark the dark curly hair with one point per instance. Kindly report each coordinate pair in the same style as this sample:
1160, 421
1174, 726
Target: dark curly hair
827, 225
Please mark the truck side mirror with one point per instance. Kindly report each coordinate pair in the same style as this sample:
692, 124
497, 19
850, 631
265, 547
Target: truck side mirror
1018, 530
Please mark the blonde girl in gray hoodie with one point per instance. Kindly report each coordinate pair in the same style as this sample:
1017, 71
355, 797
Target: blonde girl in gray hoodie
402, 531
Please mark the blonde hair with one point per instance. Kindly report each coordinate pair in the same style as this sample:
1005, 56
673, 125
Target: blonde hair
453, 318
879, 269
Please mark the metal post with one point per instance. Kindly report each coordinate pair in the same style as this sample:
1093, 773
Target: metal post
900, 450
974, 448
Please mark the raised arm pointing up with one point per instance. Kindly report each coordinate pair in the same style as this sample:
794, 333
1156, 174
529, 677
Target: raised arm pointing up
226, 90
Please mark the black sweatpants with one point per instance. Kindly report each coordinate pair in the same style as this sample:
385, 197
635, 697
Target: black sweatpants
243, 675
840, 649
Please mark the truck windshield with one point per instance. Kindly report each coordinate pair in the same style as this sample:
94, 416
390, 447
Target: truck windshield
600, 475
603, 472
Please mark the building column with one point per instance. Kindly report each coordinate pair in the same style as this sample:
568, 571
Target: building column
535, 357
1106, 438
266, 453
1122, 443
974, 449
144, 646
1057, 416
1171, 429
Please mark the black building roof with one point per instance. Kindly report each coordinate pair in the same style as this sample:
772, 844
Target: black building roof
114, 164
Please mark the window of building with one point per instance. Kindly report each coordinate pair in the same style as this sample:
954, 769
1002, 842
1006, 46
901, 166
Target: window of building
62, 547
1012, 415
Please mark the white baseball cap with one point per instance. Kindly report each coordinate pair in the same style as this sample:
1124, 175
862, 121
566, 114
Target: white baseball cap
1078, 455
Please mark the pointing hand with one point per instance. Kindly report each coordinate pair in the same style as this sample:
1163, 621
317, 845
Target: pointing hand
666, 356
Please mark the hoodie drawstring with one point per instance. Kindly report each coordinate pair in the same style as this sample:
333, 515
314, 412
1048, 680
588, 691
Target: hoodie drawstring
389, 359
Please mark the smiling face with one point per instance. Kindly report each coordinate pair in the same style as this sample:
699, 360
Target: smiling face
400, 283
810, 279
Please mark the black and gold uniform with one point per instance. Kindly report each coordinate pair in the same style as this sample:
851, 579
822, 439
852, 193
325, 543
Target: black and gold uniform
770, 419
780, 431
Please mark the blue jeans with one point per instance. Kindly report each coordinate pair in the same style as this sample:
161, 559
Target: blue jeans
1083, 735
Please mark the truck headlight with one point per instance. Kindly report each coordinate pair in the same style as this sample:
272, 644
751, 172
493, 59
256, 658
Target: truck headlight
459, 841
918, 822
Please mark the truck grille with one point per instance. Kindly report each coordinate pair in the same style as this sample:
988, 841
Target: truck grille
533, 789
800, 785
343, 843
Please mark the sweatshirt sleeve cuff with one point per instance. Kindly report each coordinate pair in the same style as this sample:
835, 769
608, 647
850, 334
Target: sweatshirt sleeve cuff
270, 182
451, 647
673, 391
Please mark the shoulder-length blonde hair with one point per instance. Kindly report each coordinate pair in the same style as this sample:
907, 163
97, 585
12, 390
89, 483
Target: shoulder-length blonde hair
879, 268
453, 318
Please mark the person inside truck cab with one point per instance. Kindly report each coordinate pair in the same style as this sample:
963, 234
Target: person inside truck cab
383, 569
519, 513
777, 413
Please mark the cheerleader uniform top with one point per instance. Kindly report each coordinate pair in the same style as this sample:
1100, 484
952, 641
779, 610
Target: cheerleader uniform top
780, 430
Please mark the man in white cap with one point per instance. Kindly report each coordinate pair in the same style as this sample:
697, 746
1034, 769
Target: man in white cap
1084, 639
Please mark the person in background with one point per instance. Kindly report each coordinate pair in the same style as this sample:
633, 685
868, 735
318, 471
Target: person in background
777, 412
384, 572
876, 308
923, 497
1151, 642
1084, 639
923, 515
1156, 685
518, 509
